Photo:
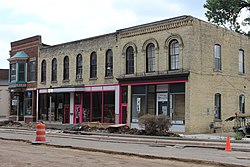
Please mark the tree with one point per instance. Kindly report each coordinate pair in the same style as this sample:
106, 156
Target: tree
227, 12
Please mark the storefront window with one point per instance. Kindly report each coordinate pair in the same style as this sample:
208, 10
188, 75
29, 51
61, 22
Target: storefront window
109, 107
28, 103
138, 102
77, 98
86, 107
97, 107
151, 99
177, 103
44, 107
14, 102
59, 108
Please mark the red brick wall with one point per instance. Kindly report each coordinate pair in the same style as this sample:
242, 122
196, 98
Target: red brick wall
31, 47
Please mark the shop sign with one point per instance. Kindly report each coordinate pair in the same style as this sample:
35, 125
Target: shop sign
162, 97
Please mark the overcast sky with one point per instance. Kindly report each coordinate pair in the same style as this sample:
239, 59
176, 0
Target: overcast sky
60, 21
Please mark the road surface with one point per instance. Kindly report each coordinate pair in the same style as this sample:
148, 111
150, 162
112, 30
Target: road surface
21, 154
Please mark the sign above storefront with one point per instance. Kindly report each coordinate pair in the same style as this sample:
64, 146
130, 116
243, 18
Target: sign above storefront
23, 85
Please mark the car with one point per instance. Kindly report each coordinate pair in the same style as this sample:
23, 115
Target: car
241, 124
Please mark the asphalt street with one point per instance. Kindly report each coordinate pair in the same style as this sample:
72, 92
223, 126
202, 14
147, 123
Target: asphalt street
153, 148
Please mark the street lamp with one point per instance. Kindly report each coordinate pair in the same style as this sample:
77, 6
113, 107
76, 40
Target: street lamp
50, 91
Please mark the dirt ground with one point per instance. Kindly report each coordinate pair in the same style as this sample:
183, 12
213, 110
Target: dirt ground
20, 154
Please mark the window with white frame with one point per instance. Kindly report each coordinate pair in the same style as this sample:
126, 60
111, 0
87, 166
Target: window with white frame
174, 55
54, 70
79, 66
130, 60
12, 72
241, 62
43, 73
21, 72
150, 60
32, 71
66, 68
93, 65
217, 57
109, 63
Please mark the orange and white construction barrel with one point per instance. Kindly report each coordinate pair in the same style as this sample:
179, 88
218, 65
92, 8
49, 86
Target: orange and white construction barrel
40, 133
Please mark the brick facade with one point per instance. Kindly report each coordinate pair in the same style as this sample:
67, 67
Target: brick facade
196, 40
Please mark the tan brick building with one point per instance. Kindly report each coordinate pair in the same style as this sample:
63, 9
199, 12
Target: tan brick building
191, 70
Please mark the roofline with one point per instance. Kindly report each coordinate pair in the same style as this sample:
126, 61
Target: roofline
85, 39
156, 22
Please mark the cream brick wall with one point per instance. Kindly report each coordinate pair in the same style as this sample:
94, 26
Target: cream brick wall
197, 39
84, 47
204, 82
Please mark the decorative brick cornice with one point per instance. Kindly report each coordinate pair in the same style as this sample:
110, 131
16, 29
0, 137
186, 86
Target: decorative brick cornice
155, 27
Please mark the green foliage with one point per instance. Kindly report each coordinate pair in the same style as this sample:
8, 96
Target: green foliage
226, 12
154, 124
238, 136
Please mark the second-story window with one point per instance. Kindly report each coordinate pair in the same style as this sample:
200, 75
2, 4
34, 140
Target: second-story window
241, 62
13, 72
21, 72
174, 55
150, 60
32, 71
79, 66
54, 70
130, 60
66, 68
43, 73
93, 65
217, 57
109, 63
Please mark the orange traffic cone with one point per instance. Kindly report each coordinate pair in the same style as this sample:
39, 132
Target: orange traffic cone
228, 145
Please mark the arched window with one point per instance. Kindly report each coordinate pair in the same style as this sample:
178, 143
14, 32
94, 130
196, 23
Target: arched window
150, 60
54, 70
43, 71
174, 55
93, 65
241, 62
109, 63
242, 104
66, 68
217, 57
217, 104
79, 66
130, 60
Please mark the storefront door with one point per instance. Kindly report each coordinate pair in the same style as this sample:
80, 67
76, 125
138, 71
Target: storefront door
162, 101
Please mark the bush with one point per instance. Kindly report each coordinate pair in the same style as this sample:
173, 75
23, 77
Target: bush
238, 136
154, 124
163, 122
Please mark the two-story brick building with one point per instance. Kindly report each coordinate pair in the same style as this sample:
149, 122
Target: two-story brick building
191, 70
23, 78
